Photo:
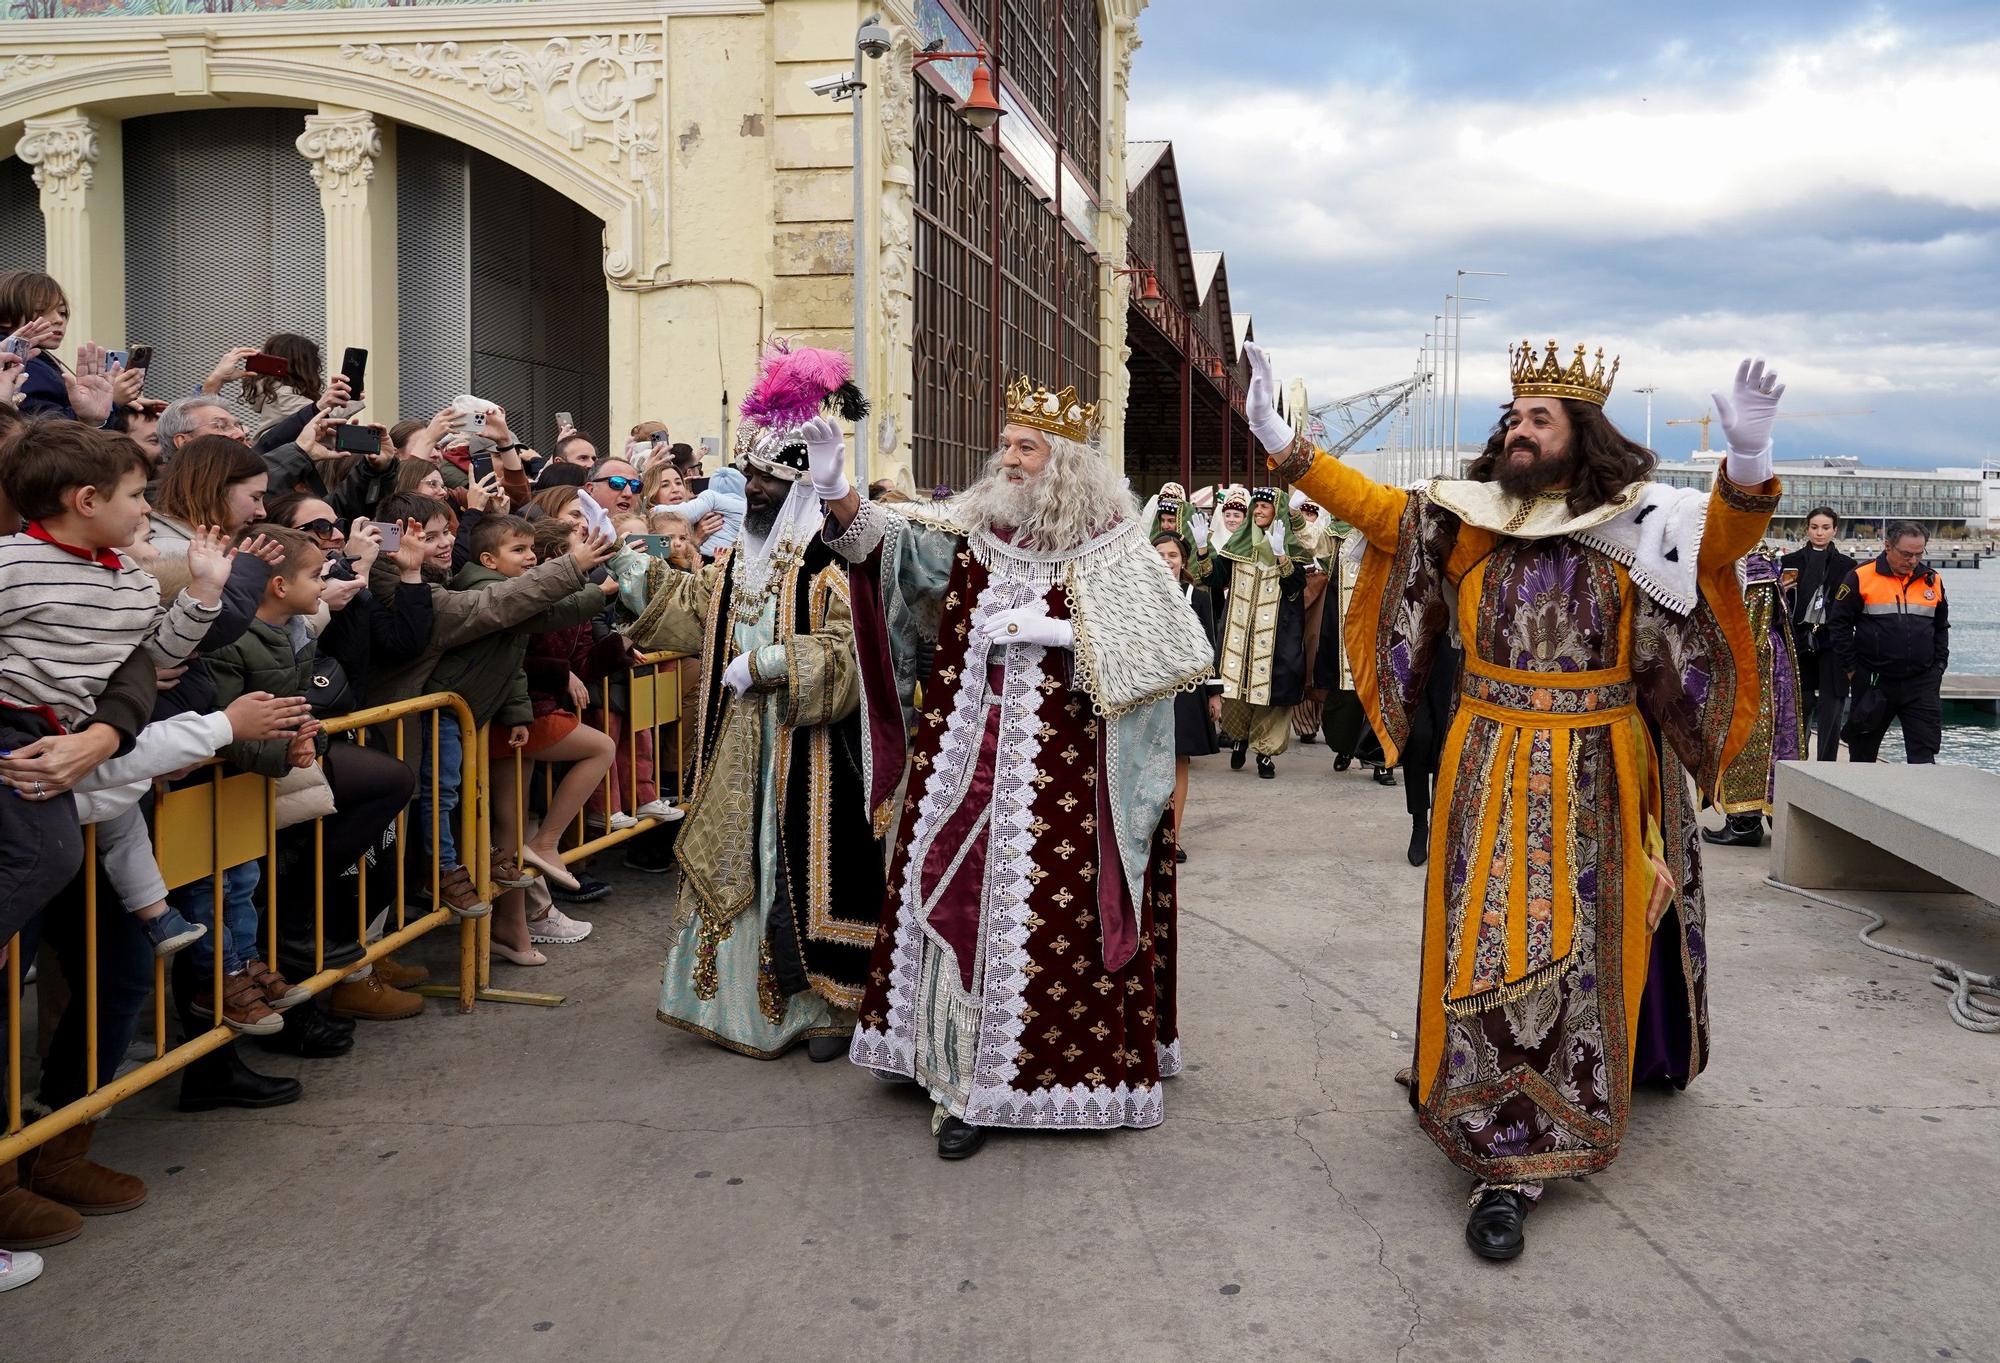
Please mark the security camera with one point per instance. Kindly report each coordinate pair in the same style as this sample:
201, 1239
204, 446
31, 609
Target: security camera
873, 38
838, 86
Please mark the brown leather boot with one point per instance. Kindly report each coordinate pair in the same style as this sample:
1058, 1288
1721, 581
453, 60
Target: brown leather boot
372, 1000
399, 976
30, 1222
62, 1172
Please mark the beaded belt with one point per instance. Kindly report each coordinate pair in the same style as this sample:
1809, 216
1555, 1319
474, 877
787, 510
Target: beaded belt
1546, 699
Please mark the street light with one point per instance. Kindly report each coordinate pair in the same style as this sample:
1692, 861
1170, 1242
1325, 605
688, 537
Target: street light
871, 41
1458, 284
1649, 391
979, 109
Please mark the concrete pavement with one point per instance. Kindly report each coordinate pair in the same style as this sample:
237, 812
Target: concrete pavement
585, 1183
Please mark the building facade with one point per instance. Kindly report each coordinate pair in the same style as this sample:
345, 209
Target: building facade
597, 208
1866, 499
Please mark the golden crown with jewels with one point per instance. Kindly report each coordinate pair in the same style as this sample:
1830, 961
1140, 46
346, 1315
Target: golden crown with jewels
1547, 377
1030, 404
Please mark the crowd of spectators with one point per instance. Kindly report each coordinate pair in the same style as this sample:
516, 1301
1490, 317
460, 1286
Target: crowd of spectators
221, 572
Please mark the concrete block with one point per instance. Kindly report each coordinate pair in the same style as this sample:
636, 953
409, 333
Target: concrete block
812, 143
1865, 825
813, 195
804, 301
816, 249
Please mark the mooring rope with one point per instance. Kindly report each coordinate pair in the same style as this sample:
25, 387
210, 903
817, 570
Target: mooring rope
1969, 989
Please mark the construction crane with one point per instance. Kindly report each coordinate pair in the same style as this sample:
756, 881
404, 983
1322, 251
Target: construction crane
1363, 412
1706, 417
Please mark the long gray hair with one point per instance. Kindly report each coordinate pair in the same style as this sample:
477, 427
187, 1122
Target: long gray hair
1076, 496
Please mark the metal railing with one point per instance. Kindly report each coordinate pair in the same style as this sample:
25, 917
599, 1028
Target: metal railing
202, 829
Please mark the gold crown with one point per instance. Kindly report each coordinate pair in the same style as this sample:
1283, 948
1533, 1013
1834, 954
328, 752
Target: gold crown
1547, 378
1030, 404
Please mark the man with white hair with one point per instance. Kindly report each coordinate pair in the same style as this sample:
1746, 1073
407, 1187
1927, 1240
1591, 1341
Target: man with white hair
1023, 969
188, 418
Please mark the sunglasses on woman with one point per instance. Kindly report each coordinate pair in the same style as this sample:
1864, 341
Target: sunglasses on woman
319, 528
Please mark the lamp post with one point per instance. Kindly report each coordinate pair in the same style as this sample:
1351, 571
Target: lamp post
1649, 391
1457, 290
872, 41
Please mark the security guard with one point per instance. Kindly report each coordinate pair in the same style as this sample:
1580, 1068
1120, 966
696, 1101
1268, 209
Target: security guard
1890, 628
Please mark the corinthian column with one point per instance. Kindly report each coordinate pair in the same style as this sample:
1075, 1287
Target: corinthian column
80, 172
354, 167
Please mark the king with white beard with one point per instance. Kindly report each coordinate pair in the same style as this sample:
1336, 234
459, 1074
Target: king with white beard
1023, 970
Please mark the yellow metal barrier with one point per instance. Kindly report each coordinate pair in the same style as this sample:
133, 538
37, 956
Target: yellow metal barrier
654, 686
229, 820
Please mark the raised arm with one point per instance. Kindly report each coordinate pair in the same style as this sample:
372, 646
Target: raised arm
1347, 494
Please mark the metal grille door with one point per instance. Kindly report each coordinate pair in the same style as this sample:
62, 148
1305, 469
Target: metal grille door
433, 282
225, 242
540, 315
21, 240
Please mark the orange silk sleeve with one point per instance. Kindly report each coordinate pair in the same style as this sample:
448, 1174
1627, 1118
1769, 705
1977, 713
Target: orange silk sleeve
1375, 509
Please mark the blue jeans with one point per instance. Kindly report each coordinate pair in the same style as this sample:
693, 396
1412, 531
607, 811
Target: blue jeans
239, 917
451, 762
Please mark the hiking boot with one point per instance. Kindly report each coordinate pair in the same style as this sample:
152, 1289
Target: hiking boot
243, 1007
372, 1000
28, 1221
277, 991
399, 976
455, 888
62, 1172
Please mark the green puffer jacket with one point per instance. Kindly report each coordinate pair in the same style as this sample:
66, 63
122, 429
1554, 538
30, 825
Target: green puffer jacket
266, 657
487, 671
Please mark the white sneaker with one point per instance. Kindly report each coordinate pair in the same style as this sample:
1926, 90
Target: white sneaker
557, 926
618, 824
663, 809
18, 1268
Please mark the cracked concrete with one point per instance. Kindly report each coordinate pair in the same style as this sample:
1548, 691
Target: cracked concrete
583, 1183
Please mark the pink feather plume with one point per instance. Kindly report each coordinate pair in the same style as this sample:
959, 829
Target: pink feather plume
793, 384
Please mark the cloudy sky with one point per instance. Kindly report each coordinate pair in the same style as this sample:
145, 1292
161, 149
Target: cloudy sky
1814, 181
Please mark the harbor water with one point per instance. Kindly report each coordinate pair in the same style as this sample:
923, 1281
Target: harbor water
1970, 737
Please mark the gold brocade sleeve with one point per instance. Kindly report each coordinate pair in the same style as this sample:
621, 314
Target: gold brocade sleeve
823, 680
1375, 509
677, 612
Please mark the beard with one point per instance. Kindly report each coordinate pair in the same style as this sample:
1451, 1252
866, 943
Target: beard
1541, 473
758, 518
1015, 505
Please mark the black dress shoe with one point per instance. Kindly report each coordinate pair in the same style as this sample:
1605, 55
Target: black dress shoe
1180, 855
221, 1079
310, 1034
1342, 761
1420, 841
1495, 1228
587, 891
1385, 777
821, 1049
959, 1140
1266, 768
1312, 737
1236, 756
1742, 830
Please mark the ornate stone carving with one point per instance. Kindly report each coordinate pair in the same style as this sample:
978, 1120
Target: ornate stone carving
63, 152
588, 90
342, 149
896, 256
24, 63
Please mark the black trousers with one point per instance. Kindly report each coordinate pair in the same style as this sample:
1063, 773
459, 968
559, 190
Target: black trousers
1914, 700
41, 845
124, 985
1822, 693
370, 787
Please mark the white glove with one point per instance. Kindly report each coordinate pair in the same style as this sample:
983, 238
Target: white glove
1198, 527
1260, 404
1297, 500
1028, 625
1276, 534
827, 453
1747, 414
736, 676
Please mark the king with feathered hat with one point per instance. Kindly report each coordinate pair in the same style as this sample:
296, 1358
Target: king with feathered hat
781, 872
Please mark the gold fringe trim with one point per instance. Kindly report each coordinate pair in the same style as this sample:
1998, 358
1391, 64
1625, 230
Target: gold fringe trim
1541, 977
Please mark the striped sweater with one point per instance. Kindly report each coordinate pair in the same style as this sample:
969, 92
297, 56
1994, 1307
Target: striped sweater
67, 622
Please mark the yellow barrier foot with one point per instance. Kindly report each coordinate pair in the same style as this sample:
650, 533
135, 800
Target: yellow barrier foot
450, 991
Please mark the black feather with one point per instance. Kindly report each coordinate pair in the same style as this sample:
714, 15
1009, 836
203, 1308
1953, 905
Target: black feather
847, 399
